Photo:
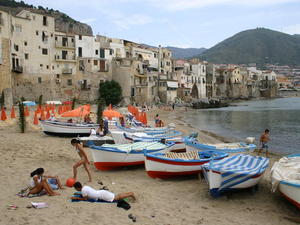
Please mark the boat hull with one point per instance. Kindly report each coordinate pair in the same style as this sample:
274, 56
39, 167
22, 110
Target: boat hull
214, 180
67, 130
291, 192
108, 160
163, 169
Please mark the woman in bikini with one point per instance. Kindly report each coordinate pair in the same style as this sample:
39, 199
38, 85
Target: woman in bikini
38, 182
83, 161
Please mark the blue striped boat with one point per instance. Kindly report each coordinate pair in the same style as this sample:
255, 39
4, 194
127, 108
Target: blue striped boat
192, 144
235, 172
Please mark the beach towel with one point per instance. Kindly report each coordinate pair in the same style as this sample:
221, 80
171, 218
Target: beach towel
78, 194
25, 193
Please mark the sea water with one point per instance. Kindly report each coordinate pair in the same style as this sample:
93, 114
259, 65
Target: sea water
250, 118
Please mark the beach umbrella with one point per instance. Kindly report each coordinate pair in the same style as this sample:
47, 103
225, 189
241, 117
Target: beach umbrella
109, 107
59, 110
143, 118
48, 114
78, 112
38, 109
43, 114
35, 120
111, 113
53, 108
12, 113
3, 114
26, 113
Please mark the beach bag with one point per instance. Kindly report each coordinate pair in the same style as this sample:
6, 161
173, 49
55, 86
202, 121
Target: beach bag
123, 204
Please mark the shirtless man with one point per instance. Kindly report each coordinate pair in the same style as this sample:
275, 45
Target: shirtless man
264, 139
90, 193
83, 161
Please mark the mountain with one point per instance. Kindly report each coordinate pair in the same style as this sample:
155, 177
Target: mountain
185, 53
258, 46
63, 22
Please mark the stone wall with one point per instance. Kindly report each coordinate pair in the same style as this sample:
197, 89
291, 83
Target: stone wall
5, 73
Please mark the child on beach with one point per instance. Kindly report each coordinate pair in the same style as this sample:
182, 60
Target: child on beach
264, 139
90, 193
38, 182
83, 159
156, 120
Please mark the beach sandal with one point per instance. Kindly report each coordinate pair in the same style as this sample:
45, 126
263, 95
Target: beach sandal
12, 207
132, 217
123, 204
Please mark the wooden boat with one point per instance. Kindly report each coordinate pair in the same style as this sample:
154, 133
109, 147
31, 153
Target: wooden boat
109, 156
64, 129
171, 164
192, 144
286, 178
234, 172
96, 140
147, 130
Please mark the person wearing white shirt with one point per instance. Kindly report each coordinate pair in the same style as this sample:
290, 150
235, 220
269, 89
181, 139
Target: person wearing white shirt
88, 192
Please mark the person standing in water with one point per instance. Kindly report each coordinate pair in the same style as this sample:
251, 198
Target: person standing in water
83, 159
264, 139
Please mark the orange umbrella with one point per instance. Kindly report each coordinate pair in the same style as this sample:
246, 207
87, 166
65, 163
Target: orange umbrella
3, 114
48, 114
78, 112
111, 113
26, 111
59, 110
110, 107
143, 118
12, 113
43, 114
35, 120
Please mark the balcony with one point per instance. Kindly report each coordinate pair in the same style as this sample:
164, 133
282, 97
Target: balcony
59, 58
66, 71
17, 69
59, 44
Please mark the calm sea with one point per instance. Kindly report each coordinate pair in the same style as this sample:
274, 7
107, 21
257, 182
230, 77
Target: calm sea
249, 119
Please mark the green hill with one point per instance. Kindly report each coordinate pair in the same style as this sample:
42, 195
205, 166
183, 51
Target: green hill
258, 46
185, 53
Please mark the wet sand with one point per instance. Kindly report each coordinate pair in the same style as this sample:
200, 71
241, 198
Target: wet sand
176, 201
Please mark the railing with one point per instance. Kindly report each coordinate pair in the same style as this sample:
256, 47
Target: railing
17, 69
66, 58
59, 44
67, 71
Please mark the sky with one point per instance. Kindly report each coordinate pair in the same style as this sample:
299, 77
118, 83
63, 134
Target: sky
179, 23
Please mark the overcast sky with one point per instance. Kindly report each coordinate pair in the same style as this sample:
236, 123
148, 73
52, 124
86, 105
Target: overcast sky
180, 23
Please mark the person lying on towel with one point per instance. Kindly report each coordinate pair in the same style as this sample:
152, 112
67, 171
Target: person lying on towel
88, 192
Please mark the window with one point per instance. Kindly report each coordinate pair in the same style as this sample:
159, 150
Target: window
37, 32
47, 67
96, 52
57, 76
18, 28
69, 82
111, 51
80, 37
39, 80
41, 65
64, 54
25, 43
155, 55
95, 62
45, 51
53, 67
64, 41
45, 21
16, 47
55, 38
89, 61
102, 53
72, 39
79, 51
26, 56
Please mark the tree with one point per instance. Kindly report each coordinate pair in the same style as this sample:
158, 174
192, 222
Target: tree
73, 103
40, 100
2, 100
22, 121
111, 92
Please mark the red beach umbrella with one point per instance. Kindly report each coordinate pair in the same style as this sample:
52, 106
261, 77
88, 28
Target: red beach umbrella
3, 114
48, 114
35, 120
43, 114
12, 113
26, 113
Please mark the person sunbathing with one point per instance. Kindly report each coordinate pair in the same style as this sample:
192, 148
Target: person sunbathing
38, 183
88, 192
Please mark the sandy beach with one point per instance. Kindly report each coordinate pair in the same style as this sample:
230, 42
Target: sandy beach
162, 202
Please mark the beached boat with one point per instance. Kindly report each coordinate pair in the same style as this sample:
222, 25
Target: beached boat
171, 164
64, 129
96, 140
148, 130
235, 172
109, 156
192, 144
174, 136
286, 178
